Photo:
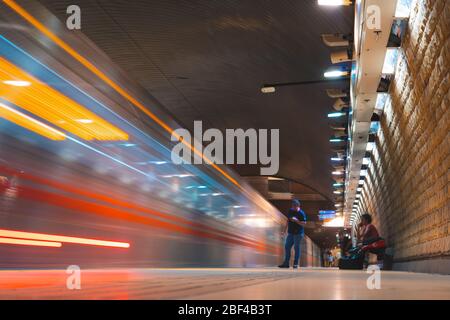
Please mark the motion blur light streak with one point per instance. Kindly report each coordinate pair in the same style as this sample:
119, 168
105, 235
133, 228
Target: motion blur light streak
36, 65
51, 237
103, 210
29, 123
18, 56
127, 190
49, 104
33, 21
17, 83
30, 242
116, 201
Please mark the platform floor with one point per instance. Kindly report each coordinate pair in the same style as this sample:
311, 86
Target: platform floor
230, 283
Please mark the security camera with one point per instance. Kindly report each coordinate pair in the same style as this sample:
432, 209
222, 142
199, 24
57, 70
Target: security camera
338, 179
339, 104
341, 56
337, 93
336, 39
340, 133
340, 154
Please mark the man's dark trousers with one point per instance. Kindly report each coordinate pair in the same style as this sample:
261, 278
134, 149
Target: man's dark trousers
292, 240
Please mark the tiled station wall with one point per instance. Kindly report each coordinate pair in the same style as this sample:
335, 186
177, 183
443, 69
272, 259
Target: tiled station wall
406, 189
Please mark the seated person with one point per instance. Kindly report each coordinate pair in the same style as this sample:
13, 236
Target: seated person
370, 240
369, 232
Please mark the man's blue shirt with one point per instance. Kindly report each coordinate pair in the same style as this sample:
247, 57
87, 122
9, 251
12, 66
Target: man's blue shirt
294, 228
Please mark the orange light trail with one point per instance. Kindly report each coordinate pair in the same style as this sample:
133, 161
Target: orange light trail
86, 63
56, 238
51, 105
24, 242
29, 123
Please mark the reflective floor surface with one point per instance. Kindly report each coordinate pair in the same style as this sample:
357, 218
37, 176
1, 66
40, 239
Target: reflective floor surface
229, 283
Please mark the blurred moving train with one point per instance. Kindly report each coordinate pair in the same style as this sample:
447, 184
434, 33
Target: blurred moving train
86, 176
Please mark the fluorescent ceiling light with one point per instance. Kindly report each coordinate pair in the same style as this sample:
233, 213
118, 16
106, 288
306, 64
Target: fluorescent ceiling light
17, 83
337, 173
390, 61
336, 114
335, 74
336, 140
337, 184
337, 159
337, 192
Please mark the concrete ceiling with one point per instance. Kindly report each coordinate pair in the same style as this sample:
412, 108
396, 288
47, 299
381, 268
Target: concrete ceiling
206, 60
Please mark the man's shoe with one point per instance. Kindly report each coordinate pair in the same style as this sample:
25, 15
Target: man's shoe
295, 266
283, 266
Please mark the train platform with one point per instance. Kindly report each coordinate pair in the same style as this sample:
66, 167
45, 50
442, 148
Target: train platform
222, 283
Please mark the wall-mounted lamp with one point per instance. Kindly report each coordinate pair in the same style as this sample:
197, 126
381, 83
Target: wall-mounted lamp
271, 88
334, 2
268, 89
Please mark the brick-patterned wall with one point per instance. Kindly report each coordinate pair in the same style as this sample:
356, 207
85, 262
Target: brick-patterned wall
406, 189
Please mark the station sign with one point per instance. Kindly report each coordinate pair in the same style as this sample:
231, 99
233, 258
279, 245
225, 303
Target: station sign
327, 214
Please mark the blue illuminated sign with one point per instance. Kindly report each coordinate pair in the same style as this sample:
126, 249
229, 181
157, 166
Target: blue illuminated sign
327, 214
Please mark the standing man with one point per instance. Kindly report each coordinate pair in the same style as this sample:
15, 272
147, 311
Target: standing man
295, 232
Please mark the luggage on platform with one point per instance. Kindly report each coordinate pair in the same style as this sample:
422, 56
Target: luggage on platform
353, 262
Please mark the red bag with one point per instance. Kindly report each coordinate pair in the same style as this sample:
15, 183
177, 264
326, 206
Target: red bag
379, 244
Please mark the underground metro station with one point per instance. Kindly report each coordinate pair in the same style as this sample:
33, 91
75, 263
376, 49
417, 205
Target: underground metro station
230, 150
